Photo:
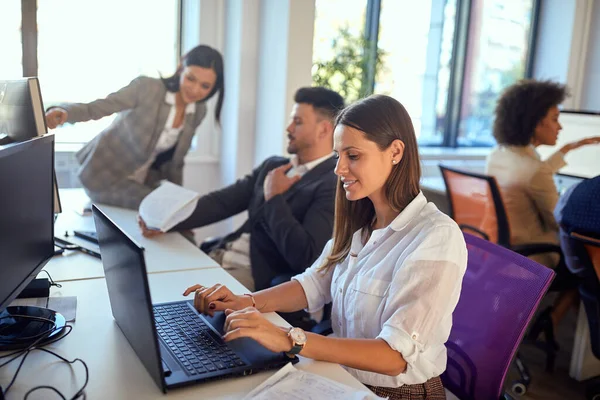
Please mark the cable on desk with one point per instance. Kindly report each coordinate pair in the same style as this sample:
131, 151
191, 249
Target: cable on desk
52, 282
32, 347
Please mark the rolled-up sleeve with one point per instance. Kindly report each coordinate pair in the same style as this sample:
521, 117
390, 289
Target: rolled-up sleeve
418, 316
317, 284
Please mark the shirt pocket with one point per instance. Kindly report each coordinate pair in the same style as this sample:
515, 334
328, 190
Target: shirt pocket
366, 298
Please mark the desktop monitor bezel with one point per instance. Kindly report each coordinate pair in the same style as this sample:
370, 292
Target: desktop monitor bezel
8, 150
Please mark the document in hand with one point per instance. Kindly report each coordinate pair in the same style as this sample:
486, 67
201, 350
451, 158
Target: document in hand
167, 205
291, 384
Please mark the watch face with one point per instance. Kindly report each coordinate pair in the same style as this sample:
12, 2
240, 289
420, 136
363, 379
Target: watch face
298, 336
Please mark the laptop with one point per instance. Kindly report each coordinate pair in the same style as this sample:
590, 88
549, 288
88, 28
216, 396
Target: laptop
177, 345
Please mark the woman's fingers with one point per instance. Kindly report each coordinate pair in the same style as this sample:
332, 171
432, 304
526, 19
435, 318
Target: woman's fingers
239, 333
249, 314
55, 117
240, 323
192, 289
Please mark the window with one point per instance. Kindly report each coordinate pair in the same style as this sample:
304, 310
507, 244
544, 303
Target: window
496, 58
10, 45
416, 38
338, 46
446, 61
86, 50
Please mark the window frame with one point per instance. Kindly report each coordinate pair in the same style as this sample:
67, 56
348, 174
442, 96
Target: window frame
457, 64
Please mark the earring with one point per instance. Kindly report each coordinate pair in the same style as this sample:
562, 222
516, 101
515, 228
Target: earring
394, 162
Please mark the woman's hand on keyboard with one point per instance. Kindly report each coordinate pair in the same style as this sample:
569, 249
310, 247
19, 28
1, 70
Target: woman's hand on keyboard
207, 300
250, 322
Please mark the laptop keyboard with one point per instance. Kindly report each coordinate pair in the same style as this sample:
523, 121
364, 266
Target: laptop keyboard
193, 342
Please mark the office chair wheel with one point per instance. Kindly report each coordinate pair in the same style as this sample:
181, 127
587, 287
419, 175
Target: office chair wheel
519, 388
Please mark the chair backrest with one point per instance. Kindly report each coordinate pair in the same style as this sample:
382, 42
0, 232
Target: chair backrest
501, 291
476, 205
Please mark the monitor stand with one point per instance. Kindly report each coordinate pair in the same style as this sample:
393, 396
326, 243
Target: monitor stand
21, 326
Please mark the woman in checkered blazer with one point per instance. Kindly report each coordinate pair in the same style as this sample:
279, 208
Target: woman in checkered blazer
152, 133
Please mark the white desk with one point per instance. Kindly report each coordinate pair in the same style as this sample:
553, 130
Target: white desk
115, 370
167, 253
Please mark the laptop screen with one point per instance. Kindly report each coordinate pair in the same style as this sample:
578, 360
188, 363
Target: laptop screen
128, 291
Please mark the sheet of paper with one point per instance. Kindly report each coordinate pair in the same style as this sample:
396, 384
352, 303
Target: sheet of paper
67, 305
167, 205
290, 383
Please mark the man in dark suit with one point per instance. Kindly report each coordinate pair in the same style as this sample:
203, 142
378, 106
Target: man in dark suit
290, 201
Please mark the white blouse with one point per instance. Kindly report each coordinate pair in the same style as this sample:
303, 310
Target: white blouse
401, 286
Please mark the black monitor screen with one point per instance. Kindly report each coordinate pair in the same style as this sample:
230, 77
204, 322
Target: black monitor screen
26, 213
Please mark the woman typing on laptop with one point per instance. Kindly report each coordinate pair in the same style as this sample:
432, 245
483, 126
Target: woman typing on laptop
392, 271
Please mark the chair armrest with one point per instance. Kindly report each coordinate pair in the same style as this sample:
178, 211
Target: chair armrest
537, 248
585, 239
210, 242
473, 229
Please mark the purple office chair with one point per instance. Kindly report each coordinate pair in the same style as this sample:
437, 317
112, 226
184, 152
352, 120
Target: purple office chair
501, 291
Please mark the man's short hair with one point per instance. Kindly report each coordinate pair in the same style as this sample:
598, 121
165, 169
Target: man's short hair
324, 101
522, 106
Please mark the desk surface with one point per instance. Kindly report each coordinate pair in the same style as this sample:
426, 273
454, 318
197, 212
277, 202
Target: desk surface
167, 253
115, 370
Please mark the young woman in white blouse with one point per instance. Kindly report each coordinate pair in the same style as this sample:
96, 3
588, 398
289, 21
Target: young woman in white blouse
393, 270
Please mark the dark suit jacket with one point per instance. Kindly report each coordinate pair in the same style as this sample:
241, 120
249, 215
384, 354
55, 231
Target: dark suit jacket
288, 232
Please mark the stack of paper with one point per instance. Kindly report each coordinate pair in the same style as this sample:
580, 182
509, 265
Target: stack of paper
291, 384
167, 205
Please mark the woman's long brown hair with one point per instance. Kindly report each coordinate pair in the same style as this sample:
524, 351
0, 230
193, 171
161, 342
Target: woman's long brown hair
382, 120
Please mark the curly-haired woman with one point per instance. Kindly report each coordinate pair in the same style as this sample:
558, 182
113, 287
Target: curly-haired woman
526, 117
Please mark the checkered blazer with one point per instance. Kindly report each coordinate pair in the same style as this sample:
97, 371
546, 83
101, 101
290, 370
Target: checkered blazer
108, 159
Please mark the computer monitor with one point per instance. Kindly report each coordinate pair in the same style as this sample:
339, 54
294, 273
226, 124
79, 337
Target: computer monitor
26, 236
22, 116
583, 162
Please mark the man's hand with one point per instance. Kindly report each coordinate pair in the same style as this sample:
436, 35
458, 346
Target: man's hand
147, 232
277, 182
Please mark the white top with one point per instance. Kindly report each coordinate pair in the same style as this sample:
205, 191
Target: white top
169, 135
167, 138
301, 169
402, 287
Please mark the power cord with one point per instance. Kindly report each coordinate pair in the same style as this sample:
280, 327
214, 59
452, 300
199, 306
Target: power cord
34, 346
52, 282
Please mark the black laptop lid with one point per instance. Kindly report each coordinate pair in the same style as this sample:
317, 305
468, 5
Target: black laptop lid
127, 283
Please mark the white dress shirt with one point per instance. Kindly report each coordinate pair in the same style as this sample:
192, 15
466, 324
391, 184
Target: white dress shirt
167, 138
401, 286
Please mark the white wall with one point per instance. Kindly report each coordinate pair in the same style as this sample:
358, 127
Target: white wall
553, 46
267, 50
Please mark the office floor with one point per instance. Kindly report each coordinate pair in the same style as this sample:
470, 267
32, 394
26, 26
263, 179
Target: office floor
551, 386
